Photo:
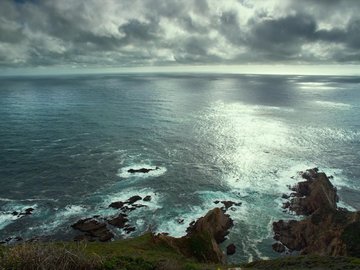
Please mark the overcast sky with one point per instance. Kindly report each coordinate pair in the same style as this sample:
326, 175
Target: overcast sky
128, 33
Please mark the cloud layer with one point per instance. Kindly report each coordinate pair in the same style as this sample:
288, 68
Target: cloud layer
121, 33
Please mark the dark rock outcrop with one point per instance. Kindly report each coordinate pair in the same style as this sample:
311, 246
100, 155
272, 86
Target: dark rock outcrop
142, 170
227, 204
147, 198
230, 249
96, 230
278, 247
133, 199
93, 229
326, 229
130, 201
116, 205
203, 237
119, 221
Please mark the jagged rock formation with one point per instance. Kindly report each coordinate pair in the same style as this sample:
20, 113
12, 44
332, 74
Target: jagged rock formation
203, 237
327, 229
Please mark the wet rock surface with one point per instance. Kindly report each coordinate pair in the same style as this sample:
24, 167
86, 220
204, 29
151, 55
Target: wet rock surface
119, 221
142, 170
203, 237
230, 249
97, 227
227, 204
94, 230
326, 229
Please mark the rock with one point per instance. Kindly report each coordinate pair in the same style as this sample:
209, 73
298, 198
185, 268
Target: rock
285, 196
104, 234
180, 221
203, 237
127, 208
215, 222
18, 238
227, 204
142, 170
147, 198
29, 210
317, 192
93, 228
11, 240
122, 205
286, 205
15, 213
129, 229
278, 247
230, 249
119, 221
133, 199
325, 230
88, 225
117, 205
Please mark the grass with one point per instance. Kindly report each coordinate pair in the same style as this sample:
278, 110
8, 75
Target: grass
48, 256
142, 253
306, 262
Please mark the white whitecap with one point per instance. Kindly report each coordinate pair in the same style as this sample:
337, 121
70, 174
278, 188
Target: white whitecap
335, 105
6, 219
176, 225
315, 86
62, 216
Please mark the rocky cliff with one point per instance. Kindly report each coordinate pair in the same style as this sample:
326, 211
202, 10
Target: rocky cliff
326, 228
203, 237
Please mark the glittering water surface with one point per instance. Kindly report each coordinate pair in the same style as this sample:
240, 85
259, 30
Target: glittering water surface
66, 144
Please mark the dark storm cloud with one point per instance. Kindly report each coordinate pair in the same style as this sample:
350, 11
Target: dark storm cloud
283, 37
230, 28
156, 32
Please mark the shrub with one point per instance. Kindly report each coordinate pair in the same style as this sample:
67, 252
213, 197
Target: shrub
48, 256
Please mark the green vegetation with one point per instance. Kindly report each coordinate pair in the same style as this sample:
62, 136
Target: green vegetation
351, 237
144, 253
306, 262
140, 253
47, 256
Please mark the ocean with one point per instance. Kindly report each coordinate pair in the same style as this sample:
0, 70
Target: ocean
67, 142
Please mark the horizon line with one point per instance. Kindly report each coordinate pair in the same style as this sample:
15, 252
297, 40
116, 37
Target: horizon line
258, 69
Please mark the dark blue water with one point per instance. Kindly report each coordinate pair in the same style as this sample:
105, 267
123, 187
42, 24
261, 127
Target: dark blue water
66, 144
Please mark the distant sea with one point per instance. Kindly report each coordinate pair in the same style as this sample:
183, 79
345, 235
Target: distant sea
66, 143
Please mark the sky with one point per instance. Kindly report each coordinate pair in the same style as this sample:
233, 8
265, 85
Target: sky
140, 34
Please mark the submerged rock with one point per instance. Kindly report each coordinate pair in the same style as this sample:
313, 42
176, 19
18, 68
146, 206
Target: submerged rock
230, 249
326, 229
